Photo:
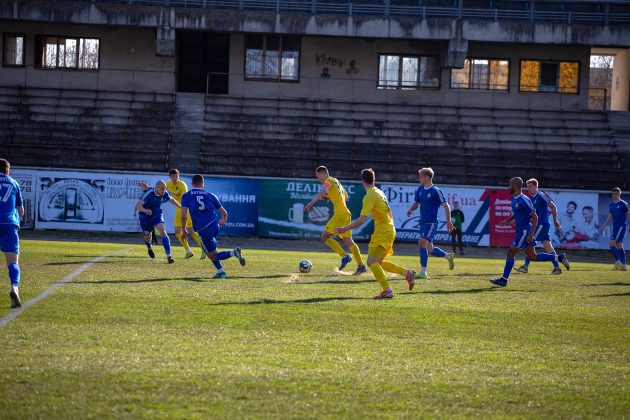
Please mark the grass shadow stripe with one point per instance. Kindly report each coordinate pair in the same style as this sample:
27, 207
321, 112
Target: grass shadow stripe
11, 315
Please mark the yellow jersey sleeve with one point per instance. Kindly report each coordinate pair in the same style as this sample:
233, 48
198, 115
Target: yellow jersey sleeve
368, 204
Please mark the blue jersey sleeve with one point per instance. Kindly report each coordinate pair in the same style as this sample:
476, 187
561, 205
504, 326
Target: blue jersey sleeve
214, 200
440, 196
625, 207
417, 195
145, 196
185, 200
167, 196
528, 204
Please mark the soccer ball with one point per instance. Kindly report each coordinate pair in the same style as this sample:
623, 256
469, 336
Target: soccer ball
305, 266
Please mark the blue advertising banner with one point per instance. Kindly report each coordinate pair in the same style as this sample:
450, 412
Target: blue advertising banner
239, 197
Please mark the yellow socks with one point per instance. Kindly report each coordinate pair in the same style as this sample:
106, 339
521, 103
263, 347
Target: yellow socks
197, 239
356, 253
380, 275
183, 241
392, 268
334, 245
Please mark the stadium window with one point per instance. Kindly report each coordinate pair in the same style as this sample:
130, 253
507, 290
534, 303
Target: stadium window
54, 52
13, 50
408, 72
549, 76
482, 74
272, 57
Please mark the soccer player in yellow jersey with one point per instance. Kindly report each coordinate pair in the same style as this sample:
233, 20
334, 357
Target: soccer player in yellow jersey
177, 188
334, 191
382, 241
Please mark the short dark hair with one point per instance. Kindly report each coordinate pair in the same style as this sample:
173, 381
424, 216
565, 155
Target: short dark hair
4, 166
573, 203
587, 208
368, 176
321, 169
616, 190
197, 179
173, 171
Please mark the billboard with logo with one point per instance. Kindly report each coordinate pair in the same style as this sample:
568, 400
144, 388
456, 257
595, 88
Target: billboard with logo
473, 202
27, 180
281, 209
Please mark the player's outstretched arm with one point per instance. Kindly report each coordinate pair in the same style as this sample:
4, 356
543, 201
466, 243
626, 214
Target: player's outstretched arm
413, 208
508, 220
361, 220
175, 203
224, 216
184, 220
606, 223
315, 199
449, 222
140, 208
143, 185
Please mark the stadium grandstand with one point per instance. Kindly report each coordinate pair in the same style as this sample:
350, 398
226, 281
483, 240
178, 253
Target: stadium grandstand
275, 87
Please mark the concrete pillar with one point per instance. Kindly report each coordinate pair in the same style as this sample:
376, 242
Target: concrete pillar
620, 91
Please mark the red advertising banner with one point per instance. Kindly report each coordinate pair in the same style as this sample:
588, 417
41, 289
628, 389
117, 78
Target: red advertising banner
500, 209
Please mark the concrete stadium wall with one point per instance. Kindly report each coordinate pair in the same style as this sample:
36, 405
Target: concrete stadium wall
345, 84
127, 60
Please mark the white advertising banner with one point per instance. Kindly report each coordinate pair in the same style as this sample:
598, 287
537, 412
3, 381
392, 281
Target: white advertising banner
27, 179
578, 213
473, 202
87, 201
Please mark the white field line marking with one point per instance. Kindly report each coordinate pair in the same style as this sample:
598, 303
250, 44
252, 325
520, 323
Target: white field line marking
14, 313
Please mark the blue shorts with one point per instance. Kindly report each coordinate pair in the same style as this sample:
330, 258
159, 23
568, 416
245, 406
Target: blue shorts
428, 231
9, 239
208, 237
541, 234
520, 239
147, 223
618, 233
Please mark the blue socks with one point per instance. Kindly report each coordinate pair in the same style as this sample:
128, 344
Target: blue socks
615, 253
509, 265
166, 242
527, 261
622, 255
424, 257
224, 255
437, 252
14, 274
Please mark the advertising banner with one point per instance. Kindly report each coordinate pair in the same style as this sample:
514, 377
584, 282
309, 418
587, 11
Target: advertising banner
500, 209
87, 201
239, 197
578, 213
281, 209
27, 180
473, 202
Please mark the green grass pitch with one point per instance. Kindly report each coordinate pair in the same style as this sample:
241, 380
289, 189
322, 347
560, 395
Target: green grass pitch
131, 337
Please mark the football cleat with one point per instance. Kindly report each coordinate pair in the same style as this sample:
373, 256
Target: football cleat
565, 261
623, 268
522, 269
239, 255
499, 282
616, 267
424, 276
170, 259
360, 270
189, 255
451, 261
221, 275
203, 255
410, 276
344, 262
385, 294
15, 298
556, 271
151, 253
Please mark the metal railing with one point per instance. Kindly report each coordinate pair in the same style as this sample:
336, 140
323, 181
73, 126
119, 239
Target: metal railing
603, 12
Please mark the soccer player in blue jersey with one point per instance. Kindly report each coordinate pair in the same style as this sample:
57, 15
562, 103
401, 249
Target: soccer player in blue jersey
619, 211
11, 211
543, 203
429, 198
149, 208
524, 214
208, 215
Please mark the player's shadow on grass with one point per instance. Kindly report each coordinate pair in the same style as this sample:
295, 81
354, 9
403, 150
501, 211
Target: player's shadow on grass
273, 276
619, 283
336, 281
471, 274
146, 257
193, 279
614, 294
107, 261
276, 301
465, 291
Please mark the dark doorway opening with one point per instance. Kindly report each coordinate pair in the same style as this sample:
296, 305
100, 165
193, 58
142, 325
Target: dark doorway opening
203, 62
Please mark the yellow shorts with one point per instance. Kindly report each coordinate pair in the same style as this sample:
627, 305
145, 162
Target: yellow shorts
382, 244
339, 221
177, 222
